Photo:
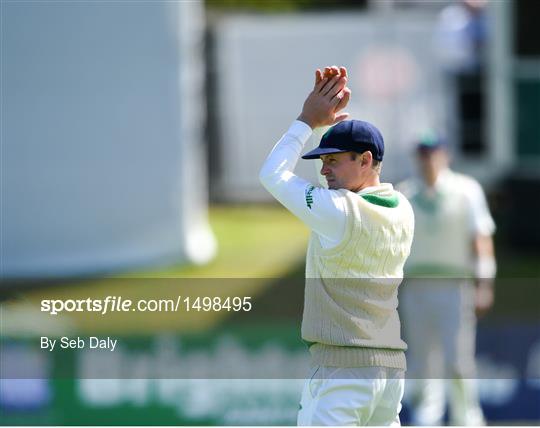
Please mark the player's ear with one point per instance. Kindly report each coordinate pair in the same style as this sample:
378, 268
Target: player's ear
366, 159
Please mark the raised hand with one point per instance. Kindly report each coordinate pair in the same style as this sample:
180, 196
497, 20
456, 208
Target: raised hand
329, 96
329, 73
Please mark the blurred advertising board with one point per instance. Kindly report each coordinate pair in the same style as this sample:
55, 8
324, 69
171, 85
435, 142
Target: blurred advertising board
232, 376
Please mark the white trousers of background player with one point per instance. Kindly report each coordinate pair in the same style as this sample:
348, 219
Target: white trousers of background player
440, 330
357, 396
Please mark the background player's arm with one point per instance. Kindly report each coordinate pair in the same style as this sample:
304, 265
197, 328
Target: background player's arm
484, 251
483, 248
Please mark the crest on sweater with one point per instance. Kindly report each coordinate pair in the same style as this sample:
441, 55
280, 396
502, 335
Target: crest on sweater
309, 196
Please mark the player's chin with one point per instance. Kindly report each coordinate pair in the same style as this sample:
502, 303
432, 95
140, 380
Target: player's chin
332, 185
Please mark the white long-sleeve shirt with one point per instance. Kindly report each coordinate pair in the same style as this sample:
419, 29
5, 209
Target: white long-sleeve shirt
451, 214
354, 261
321, 209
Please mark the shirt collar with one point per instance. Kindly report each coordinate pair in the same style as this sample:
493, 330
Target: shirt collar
382, 189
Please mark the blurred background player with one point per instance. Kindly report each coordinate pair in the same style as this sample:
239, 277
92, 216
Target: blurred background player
452, 243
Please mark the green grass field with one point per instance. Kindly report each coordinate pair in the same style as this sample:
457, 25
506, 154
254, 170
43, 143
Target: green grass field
254, 241
256, 245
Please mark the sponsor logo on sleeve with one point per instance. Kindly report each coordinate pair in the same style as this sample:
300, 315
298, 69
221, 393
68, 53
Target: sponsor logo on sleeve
309, 196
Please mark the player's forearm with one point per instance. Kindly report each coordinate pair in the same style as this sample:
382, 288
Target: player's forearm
281, 161
317, 163
317, 209
485, 263
485, 270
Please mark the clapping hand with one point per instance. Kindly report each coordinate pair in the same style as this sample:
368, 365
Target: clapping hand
330, 95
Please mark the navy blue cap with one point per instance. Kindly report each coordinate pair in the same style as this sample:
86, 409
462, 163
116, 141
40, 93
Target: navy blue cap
430, 141
350, 136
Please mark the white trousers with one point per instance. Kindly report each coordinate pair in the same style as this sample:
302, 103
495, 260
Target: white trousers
440, 330
352, 397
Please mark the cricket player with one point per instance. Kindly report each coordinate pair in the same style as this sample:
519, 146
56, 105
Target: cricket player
452, 250
362, 231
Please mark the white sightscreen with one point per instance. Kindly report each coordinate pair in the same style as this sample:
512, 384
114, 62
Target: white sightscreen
265, 70
102, 165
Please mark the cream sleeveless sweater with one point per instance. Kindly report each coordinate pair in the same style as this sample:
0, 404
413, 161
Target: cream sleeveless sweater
350, 304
